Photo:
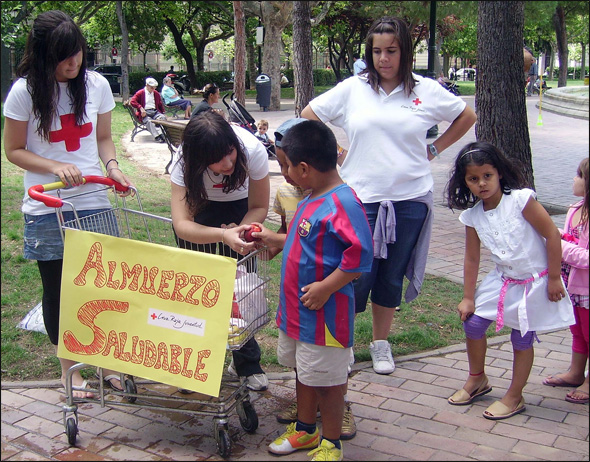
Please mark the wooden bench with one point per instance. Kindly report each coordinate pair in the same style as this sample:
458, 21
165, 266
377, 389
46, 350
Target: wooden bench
172, 133
138, 126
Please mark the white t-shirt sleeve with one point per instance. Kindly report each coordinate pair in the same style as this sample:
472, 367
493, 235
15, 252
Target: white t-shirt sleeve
256, 152
522, 196
331, 106
466, 218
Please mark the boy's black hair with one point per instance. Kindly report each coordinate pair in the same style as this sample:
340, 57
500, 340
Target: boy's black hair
479, 153
311, 142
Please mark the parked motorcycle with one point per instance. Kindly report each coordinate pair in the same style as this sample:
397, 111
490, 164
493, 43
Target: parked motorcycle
182, 84
537, 86
450, 85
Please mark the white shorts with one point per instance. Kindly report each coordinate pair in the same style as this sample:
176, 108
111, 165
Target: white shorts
317, 366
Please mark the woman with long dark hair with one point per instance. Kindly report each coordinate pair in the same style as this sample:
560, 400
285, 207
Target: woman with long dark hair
220, 185
386, 112
58, 128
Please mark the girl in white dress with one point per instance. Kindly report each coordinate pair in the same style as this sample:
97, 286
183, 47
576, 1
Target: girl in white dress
525, 291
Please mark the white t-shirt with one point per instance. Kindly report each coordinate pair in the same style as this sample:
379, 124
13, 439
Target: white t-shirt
387, 157
76, 145
257, 164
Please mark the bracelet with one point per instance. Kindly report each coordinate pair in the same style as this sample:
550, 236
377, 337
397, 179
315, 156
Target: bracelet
106, 166
223, 230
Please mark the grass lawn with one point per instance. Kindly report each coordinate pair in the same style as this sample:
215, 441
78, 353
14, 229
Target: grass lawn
428, 322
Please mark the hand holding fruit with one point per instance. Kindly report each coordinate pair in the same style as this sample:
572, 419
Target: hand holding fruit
248, 234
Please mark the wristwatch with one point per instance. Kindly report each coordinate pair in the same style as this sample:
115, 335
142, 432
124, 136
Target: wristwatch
433, 150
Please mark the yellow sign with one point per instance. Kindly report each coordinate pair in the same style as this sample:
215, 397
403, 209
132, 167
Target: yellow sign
148, 310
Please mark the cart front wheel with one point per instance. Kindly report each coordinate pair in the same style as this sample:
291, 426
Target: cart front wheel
71, 431
130, 388
248, 416
223, 441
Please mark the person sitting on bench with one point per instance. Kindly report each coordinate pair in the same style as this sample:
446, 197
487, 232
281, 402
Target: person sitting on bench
148, 104
172, 98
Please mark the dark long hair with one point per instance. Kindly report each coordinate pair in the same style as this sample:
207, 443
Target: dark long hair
400, 31
54, 37
479, 153
207, 139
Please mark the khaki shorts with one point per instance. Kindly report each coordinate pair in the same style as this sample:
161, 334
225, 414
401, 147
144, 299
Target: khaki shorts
317, 366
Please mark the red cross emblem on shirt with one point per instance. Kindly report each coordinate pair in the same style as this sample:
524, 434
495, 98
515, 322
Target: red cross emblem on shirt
417, 101
70, 132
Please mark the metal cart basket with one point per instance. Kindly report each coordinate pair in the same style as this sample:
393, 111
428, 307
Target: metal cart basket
251, 282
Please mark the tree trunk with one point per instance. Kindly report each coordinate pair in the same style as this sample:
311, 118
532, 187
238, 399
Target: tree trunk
583, 71
124, 86
188, 59
240, 53
500, 90
252, 60
561, 37
302, 55
271, 52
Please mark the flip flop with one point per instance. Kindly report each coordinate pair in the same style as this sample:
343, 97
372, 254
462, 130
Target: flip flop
83, 387
107, 381
571, 399
462, 398
555, 381
499, 411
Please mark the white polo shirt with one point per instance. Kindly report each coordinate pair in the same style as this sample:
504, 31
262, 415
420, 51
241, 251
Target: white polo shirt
387, 157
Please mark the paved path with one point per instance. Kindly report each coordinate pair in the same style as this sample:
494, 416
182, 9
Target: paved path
403, 416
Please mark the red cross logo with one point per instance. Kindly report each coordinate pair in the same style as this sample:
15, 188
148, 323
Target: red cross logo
153, 316
70, 132
417, 101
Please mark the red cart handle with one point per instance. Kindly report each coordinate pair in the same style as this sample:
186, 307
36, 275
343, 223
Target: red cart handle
36, 192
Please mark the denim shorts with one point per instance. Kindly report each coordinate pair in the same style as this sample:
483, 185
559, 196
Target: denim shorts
385, 281
42, 236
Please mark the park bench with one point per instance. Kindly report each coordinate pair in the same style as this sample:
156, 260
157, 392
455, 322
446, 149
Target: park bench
138, 125
172, 133
173, 110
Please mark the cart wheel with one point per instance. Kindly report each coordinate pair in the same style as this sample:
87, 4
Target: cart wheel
71, 431
248, 416
223, 442
130, 388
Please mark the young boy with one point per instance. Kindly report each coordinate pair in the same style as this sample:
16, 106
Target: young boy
328, 245
288, 194
285, 204
263, 137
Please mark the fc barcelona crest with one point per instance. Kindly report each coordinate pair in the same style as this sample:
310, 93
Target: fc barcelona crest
303, 228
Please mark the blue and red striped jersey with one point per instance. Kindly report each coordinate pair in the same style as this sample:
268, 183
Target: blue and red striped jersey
328, 232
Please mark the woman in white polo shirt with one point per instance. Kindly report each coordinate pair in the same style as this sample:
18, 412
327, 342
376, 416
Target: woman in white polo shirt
386, 113
220, 184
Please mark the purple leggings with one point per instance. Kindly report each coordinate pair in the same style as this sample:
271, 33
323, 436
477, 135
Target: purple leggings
475, 328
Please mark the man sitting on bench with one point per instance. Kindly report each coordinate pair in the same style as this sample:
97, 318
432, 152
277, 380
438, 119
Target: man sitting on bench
148, 104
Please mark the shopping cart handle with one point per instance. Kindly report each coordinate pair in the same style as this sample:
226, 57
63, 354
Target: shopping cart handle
36, 192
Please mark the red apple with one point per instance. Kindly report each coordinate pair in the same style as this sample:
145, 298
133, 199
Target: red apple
248, 234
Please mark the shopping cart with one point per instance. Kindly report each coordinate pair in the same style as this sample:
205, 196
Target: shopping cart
127, 220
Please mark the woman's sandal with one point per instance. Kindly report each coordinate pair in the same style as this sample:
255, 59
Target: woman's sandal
83, 388
499, 411
462, 397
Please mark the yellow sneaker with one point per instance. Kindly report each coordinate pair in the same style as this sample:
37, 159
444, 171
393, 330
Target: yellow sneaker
293, 440
326, 451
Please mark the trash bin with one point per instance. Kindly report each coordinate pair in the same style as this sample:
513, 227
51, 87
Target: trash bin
263, 91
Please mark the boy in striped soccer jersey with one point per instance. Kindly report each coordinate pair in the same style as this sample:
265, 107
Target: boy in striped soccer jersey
328, 245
